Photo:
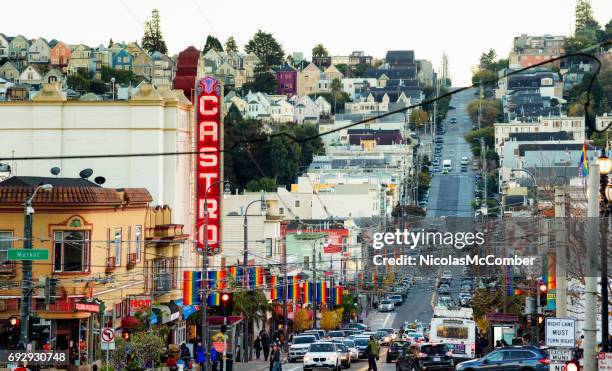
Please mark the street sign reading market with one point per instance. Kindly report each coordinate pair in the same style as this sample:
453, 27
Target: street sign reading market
28, 254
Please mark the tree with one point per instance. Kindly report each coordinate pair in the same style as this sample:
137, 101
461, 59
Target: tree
110, 42
336, 90
147, 347
301, 320
487, 60
330, 320
319, 51
360, 70
485, 77
78, 83
419, 117
253, 306
212, 43
264, 81
230, 45
266, 48
262, 184
584, 16
490, 111
153, 40
424, 181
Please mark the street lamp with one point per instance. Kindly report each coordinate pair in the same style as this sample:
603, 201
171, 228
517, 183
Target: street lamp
605, 191
26, 265
113, 86
245, 277
204, 273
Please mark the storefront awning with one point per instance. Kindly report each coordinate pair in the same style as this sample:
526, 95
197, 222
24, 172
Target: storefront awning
167, 312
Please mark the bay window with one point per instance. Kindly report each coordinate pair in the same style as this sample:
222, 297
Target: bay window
71, 251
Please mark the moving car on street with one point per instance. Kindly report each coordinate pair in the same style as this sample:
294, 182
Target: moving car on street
426, 356
350, 344
396, 299
386, 306
322, 355
345, 354
395, 349
299, 346
525, 357
362, 343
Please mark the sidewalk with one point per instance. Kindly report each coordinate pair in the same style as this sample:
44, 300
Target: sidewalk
261, 365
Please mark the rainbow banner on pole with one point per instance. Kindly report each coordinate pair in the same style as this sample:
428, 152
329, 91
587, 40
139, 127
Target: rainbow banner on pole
294, 288
256, 277
191, 284
276, 288
322, 293
216, 281
308, 291
583, 166
337, 293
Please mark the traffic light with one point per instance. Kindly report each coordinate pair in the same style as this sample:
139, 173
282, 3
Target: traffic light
543, 291
14, 322
572, 366
227, 303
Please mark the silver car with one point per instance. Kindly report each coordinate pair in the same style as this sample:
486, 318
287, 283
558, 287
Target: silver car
386, 306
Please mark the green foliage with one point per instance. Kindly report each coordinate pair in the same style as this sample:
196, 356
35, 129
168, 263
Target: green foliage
78, 83
424, 180
97, 87
442, 109
360, 70
212, 43
487, 60
146, 347
121, 76
278, 159
264, 81
319, 51
252, 304
301, 321
265, 46
117, 358
262, 184
584, 16
490, 111
487, 133
485, 77
153, 40
343, 68
231, 45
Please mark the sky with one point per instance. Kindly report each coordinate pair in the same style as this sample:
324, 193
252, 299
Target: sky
461, 28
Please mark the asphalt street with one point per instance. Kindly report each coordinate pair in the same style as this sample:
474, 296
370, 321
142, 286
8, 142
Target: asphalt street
451, 194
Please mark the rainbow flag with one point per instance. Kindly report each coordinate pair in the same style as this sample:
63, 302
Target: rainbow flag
294, 288
233, 273
338, 291
212, 282
276, 289
307, 289
256, 277
322, 292
583, 166
191, 284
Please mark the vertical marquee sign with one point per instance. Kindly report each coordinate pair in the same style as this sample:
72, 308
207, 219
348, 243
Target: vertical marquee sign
209, 162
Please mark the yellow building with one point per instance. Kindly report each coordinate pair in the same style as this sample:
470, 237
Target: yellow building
105, 246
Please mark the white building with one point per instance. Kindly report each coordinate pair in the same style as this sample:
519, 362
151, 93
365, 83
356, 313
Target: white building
152, 121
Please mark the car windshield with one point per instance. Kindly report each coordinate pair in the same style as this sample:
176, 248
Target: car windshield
349, 343
304, 340
438, 349
361, 342
385, 302
396, 297
399, 344
319, 347
388, 330
342, 347
336, 334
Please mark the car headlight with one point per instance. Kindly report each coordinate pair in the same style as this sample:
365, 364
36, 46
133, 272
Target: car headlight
333, 358
307, 359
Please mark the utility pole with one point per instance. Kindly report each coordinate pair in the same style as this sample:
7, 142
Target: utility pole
483, 161
561, 253
245, 285
590, 325
285, 289
479, 104
26, 288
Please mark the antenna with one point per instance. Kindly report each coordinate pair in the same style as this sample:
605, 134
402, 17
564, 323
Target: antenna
55, 170
86, 173
100, 180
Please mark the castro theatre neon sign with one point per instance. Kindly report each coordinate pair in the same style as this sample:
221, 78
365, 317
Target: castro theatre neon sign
209, 162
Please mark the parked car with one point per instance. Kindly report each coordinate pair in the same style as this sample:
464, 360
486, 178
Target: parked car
426, 356
525, 357
322, 355
299, 346
395, 349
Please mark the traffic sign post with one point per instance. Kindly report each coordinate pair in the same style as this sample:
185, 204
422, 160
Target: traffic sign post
107, 337
560, 332
27, 254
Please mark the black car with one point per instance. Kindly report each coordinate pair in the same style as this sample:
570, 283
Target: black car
425, 356
362, 344
395, 349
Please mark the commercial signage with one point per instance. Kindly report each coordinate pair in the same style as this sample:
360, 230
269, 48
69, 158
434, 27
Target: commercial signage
560, 332
92, 306
138, 302
209, 162
560, 355
605, 361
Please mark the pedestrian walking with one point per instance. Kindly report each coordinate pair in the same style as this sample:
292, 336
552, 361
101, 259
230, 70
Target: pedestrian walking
200, 355
372, 351
276, 365
265, 344
257, 346
271, 368
185, 355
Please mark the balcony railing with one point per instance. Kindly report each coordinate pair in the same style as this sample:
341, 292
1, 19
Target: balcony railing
110, 263
163, 282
